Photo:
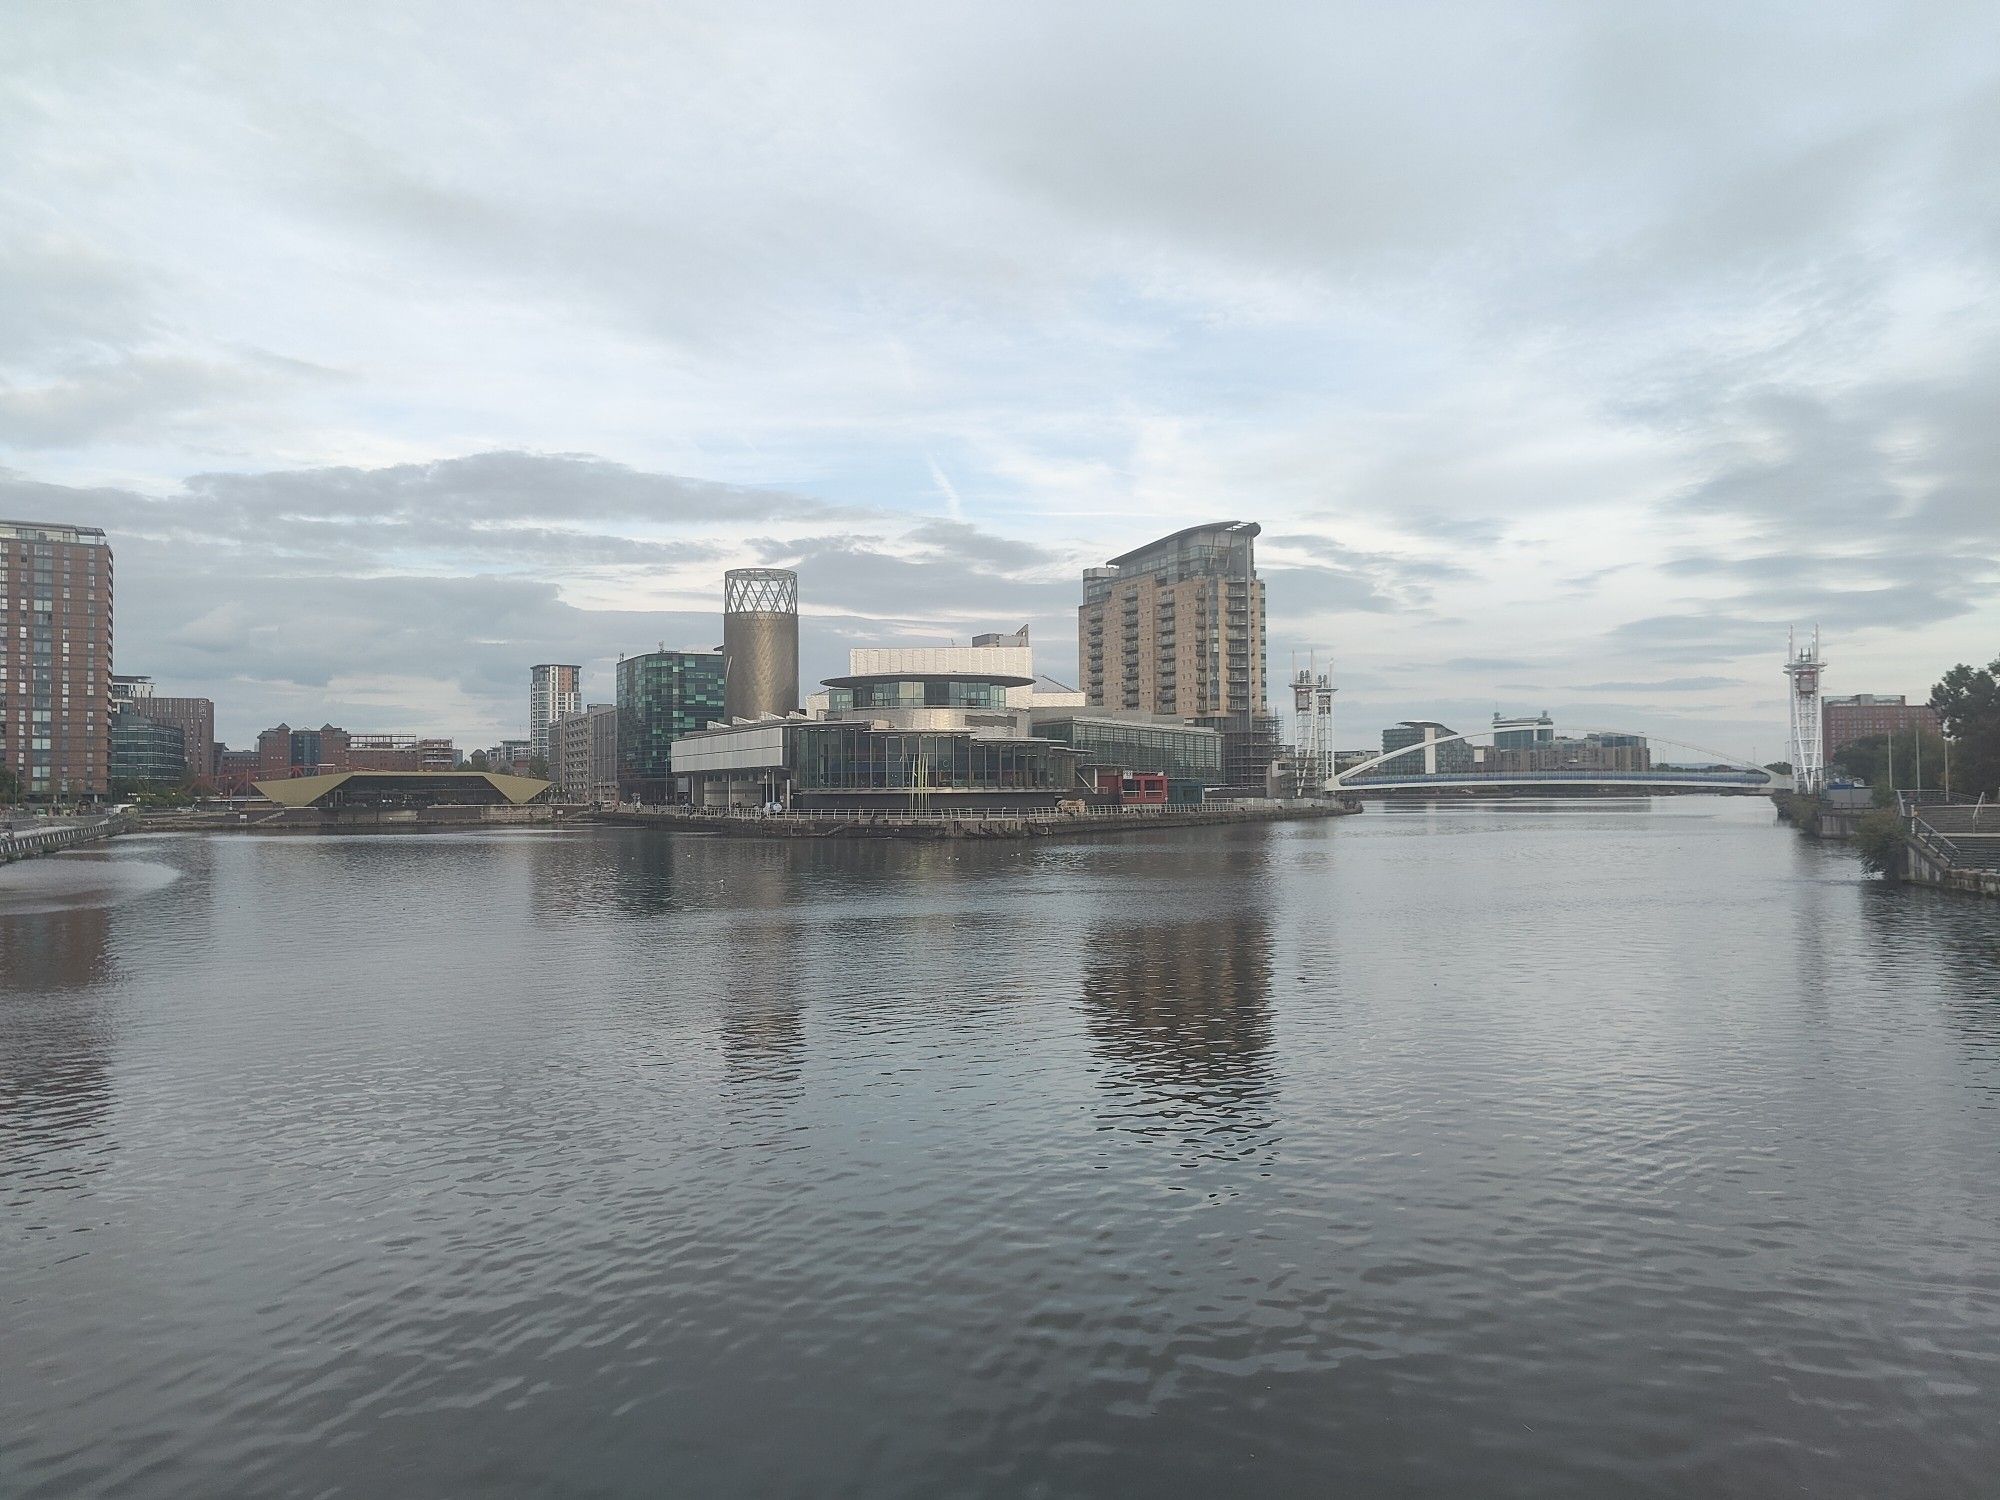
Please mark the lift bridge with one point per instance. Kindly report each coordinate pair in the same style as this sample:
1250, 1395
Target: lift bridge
1743, 778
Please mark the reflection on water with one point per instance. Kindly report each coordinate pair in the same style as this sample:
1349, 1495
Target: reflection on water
1180, 1009
55, 1055
1537, 1151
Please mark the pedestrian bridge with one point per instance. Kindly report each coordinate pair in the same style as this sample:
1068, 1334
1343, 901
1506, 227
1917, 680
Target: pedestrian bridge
1734, 776
1755, 783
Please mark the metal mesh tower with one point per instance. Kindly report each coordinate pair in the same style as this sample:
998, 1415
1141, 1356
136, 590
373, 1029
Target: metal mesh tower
760, 642
1804, 668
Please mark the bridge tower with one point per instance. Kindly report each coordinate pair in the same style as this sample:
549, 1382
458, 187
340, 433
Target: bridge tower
1312, 702
1804, 667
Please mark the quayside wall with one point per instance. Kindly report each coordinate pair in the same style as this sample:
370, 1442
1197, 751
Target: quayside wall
950, 826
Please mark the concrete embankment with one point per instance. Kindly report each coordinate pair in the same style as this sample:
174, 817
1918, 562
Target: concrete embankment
946, 826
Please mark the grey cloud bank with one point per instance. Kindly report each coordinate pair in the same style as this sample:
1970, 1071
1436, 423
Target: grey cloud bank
382, 340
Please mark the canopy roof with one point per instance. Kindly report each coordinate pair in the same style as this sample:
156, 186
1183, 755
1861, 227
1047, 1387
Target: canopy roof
304, 791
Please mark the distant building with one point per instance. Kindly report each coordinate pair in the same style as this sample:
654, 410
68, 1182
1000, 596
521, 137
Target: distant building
55, 658
400, 752
583, 755
285, 751
905, 743
195, 719
1426, 757
1608, 753
510, 757
145, 752
663, 696
1177, 626
1862, 716
1522, 733
236, 771
553, 690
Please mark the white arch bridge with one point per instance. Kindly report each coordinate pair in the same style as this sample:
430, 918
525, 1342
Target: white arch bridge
1743, 777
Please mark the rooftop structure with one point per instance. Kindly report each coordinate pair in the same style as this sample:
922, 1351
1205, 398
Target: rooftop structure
1009, 654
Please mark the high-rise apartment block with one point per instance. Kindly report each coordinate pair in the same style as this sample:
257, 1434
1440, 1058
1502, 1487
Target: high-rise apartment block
553, 690
55, 658
1177, 626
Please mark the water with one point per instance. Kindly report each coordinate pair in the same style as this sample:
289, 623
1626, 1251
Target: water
1545, 1150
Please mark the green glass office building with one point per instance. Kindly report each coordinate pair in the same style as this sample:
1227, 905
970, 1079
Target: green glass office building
662, 696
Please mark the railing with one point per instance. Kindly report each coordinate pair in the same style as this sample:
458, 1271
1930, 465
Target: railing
16, 843
1501, 778
1933, 843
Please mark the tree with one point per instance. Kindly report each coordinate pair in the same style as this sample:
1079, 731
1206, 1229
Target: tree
1879, 837
10, 784
1968, 701
538, 766
1779, 767
477, 760
1917, 757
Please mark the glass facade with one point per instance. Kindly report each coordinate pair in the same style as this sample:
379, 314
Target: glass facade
1191, 759
853, 757
662, 696
922, 692
145, 753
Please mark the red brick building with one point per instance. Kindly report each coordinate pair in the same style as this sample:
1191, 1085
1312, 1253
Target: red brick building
1865, 715
55, 658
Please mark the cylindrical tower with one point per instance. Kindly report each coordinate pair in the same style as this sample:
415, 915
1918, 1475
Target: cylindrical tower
760, 642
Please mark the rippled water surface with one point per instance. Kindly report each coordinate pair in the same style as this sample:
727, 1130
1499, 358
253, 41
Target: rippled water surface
1541, 1150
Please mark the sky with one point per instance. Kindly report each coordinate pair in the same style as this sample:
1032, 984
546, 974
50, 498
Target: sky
1567, 353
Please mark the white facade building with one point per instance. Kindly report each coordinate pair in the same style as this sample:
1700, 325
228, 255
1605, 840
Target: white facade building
991, 655
554, 691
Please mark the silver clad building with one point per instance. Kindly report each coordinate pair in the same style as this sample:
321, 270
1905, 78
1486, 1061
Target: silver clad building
760, 642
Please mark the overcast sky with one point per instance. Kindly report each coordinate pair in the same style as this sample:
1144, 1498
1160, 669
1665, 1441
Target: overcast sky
1567, 353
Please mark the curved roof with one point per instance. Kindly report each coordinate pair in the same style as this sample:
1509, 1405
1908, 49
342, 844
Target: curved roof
998, 679
1247, 528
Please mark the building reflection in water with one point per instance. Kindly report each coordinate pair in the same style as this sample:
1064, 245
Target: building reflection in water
761, 1015
55, 1068
1178, 1010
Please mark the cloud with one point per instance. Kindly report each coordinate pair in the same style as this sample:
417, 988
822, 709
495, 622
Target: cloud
1659, 685
1681, 328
